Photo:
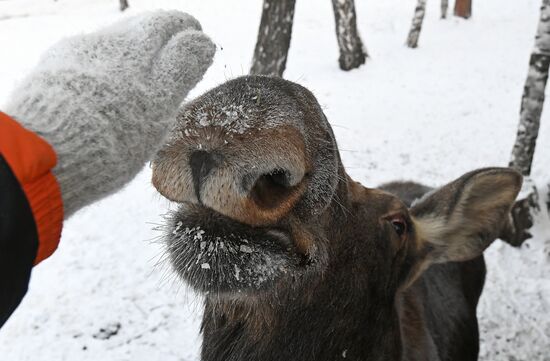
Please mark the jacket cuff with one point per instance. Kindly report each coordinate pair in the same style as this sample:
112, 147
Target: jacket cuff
31, 160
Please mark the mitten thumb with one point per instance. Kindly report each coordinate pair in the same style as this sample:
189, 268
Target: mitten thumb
181, 64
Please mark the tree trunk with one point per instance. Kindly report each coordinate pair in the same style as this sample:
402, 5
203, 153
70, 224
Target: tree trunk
444, 8
533, 96
352, 53
124, 5
463, 8
529, 123
274, 36
414, 33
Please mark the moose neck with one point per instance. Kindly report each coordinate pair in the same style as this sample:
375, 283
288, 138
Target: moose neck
342, 314
331, 322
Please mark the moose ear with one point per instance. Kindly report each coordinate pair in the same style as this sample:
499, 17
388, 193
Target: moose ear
458, 221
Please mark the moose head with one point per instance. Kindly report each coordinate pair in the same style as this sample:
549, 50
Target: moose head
296, 260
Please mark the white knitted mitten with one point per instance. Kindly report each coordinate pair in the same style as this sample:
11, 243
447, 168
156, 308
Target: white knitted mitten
105, 100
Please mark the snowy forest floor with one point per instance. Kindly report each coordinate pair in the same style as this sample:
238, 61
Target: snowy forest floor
428, 114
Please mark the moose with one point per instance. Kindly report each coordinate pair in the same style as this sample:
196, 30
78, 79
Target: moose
296, 261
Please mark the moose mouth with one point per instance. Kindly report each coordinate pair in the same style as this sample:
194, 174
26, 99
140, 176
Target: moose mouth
215, 254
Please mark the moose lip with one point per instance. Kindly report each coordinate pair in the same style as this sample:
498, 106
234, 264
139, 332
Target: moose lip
214, 253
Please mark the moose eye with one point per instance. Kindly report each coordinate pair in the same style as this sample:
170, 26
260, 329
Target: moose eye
399, 225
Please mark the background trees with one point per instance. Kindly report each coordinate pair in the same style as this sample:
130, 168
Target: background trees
463, 9
275, 32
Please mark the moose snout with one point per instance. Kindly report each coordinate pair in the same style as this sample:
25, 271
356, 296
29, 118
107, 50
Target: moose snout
253, 149
254, 178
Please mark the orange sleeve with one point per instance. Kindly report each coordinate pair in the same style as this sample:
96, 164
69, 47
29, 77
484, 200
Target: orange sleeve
32, 159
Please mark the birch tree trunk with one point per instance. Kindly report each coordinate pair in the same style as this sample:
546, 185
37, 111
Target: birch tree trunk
274, 35
414, 33
533, 96
352, 52
531, 109
444, 8
463, 8
124, 5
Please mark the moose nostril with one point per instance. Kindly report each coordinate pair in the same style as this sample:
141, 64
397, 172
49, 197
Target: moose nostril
271, 189
279, 177
201, 163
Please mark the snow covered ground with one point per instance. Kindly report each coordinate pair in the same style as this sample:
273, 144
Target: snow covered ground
428, 114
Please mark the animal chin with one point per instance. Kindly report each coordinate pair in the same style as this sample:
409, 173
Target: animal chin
215, 254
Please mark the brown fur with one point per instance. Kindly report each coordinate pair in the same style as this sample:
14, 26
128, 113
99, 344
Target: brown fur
299, 262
